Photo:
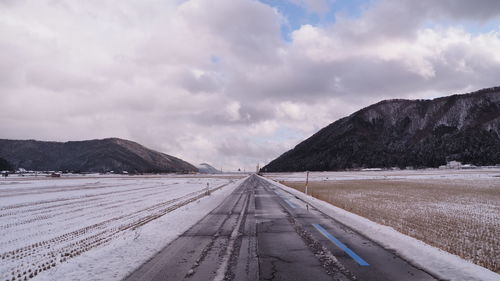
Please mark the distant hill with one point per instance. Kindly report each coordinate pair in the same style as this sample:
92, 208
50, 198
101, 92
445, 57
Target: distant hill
5, 165
110, 154
205, 168
418, 133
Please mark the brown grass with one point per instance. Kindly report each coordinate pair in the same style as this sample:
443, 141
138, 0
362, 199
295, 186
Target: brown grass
461, 217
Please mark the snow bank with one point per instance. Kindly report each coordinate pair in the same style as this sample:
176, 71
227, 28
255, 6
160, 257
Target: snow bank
436, 261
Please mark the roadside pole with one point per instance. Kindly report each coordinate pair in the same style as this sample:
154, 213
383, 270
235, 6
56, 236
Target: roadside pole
208, 189
307, 181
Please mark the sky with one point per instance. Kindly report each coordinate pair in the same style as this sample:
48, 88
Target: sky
232, 83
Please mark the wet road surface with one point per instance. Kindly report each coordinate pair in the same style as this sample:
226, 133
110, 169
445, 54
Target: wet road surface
261, 232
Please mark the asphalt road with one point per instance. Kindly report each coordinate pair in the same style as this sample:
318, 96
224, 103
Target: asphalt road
261, 232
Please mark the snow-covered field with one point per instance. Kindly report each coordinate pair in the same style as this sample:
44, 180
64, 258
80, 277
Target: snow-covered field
427, 174
455, 210
96, 228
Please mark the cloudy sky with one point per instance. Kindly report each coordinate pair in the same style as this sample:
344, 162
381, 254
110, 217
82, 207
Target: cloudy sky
230, 82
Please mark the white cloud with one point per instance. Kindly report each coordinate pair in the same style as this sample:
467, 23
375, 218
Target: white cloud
290, 110
233, 111
264, 128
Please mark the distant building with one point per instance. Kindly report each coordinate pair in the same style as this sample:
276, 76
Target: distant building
455, 165
372, 169
468, 166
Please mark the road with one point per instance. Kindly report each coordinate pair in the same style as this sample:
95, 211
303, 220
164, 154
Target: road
261, 232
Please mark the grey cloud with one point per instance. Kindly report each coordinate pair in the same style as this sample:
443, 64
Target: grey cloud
252, 151
250, 113
62, 80
10, 2
310, 81
478, 10
364, 77
249, 39
226, 32
400, 18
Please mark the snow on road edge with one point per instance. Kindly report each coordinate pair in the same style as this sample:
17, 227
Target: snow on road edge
117, 260
436, 261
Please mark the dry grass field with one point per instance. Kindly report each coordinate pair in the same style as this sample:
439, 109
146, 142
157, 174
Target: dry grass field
461, 216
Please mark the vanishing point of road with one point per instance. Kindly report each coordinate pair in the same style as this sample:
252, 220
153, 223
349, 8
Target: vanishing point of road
261, 232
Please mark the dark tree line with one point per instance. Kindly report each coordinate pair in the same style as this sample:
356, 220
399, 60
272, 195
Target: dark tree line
5, 165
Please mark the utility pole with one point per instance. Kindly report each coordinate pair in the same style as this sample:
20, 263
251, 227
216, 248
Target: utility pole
307, 180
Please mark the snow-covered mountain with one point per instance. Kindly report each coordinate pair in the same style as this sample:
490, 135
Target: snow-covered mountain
110, 154
205, 168
419, 133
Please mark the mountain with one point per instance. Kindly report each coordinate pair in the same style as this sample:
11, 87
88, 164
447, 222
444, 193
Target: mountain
5, 165
205, 168
418, 133
110, 154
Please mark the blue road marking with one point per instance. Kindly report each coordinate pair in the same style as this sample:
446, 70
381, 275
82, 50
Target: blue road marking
290, 203
341, 245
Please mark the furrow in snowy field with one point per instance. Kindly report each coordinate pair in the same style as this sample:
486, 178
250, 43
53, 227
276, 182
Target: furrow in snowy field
45, 233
